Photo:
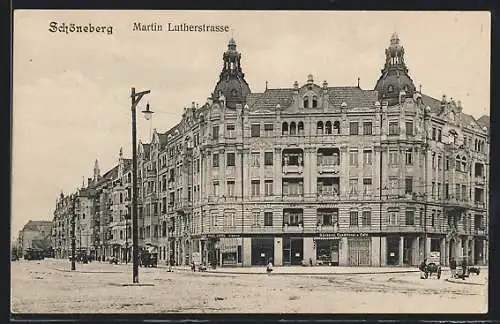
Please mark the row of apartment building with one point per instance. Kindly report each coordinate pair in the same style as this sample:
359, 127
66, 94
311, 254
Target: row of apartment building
329, 175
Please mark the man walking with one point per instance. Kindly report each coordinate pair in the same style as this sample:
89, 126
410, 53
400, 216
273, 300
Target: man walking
453, 267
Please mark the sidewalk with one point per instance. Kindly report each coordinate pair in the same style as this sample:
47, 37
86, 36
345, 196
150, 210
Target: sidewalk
300, 270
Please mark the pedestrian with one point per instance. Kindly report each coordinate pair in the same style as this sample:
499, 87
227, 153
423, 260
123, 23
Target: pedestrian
269, 267
453, 268
464, 268
193, 266
422, 267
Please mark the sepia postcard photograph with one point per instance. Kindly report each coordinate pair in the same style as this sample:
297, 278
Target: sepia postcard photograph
250, 162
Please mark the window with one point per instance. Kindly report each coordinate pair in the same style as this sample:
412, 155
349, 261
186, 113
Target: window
464, 193
434, 130
394, 186
409, 185
293, 217
214, 219
268, 218
439, 135
353, 128
409, 156
367, 186
215, 132
367, 157
433, 218
447, 164
319, 128
230, 131
215, 160
230, 188
409, 128
255, 188
268, 187
328, 128
336, 127
255, 130
229, 218
216, 188
284, 128
268, 130
315, 102
366, 218
255, 159
230, 159
393, 157
300, 128
393, 128
293, 187
353, 158
293, 128
353, 187
268, 158
410, 217
393, 217
353, 218
306, 102
255, 218
439, 191
440, 162
367, 128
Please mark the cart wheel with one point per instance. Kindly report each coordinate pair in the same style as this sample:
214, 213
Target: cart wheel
439, 273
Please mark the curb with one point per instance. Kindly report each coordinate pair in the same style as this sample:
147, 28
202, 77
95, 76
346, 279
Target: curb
300, 273
79, 271
463, 282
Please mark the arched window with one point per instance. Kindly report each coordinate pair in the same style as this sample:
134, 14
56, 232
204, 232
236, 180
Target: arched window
464, 164
336, 127
319, 130
293, 128
306, 102
300, 128
284, 129
458, 163
328, 127
315, 102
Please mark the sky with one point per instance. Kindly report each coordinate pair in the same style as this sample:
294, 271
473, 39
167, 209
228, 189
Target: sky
71, 92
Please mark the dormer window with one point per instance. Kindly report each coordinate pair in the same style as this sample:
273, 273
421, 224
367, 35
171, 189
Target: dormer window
306, 102
315, 102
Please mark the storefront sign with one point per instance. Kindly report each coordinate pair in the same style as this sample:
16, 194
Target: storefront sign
340, 235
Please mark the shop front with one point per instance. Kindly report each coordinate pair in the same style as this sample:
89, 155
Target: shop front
327, 251
359, 251
262, 250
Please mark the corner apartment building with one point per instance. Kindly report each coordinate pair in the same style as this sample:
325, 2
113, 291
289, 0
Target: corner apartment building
336, 175
35, 234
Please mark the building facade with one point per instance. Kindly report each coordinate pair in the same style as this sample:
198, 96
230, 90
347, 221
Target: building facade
35, 234
317, 174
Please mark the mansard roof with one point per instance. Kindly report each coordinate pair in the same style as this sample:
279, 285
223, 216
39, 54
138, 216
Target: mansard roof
353, 96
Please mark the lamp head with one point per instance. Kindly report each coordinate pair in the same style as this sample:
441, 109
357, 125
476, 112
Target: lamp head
147, 113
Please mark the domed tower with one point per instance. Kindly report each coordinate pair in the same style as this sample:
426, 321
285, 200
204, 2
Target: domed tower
394, 81
232, 84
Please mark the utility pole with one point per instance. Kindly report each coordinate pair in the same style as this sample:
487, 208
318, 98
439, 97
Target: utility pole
73, 243
136, 97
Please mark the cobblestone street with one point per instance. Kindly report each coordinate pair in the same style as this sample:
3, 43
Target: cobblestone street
48, 286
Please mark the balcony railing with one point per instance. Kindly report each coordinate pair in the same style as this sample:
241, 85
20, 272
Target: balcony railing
296, 169
293, 228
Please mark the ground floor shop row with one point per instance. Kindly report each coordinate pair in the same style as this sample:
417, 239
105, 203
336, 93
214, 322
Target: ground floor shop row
390, 250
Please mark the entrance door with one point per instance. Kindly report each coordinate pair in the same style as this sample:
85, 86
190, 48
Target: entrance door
478, 251
359, 252
408, 251
393, 250
293, 249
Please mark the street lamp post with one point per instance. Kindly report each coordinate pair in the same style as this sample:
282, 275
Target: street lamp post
427, 111
136, 97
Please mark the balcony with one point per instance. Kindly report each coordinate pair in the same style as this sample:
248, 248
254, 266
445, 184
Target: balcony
293, 169
329, 168
293, 228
